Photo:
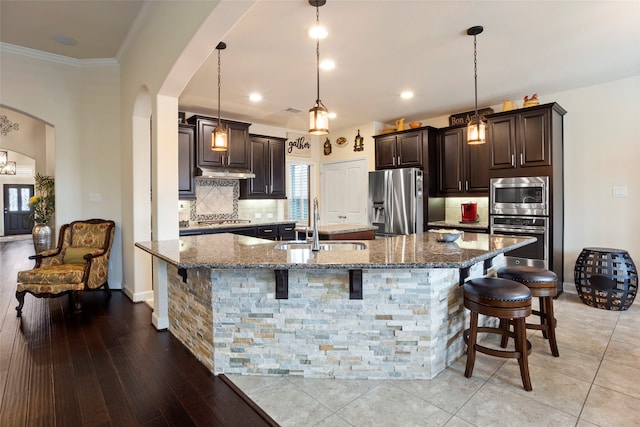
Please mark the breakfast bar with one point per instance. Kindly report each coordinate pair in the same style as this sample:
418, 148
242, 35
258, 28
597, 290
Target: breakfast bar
218, 295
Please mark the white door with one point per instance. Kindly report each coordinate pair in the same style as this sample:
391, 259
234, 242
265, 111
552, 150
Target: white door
344, 192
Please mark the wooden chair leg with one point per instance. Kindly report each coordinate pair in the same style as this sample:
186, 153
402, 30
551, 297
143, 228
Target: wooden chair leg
471, 344
108, 289
521, 347
20, 298
76, 301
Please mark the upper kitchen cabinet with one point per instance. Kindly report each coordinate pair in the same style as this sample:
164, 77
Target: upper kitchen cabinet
237, 154
400, 150
267, 161
462, 168
526, 138
186, 161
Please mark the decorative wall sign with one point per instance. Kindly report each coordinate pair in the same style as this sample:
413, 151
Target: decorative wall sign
298, 144
327, 147
341, 141
7, 125
359, 142
464, 118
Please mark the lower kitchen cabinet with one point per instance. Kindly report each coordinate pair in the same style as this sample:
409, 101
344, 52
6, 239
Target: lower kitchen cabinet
266, 231
186, 161
463, 169
267, 161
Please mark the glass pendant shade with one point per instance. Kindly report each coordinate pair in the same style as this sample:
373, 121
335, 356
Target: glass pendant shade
219, 139
318, 119
476, 132
9, 168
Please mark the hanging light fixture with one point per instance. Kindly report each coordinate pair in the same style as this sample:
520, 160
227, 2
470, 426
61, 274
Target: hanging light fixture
219, 136
6, 167
475, 127
318, 115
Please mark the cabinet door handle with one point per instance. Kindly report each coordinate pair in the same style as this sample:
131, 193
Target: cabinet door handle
513, 160
398, 160
393, 160
459, 185
266, 190
521, 159
466, 186
268, 230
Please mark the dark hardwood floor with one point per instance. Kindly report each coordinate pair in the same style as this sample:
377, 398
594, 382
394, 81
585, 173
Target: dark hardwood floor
106, 366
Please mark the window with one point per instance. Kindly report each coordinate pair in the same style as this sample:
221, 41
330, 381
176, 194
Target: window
299, 193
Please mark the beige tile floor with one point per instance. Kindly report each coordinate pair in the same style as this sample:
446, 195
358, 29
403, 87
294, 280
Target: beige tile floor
594, 382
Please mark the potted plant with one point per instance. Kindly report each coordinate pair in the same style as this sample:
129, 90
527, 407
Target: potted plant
42, 206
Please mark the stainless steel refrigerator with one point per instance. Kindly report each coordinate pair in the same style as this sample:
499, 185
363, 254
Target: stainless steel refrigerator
396, 201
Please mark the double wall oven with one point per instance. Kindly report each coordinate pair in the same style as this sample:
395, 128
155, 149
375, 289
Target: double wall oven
520, 207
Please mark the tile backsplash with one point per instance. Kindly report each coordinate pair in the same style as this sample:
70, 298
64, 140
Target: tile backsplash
219, 199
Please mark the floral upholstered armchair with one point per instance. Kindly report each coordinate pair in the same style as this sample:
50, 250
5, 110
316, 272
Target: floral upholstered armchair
79, 263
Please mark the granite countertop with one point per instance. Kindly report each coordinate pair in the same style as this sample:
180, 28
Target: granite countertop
480, 225
230, 251
338, 228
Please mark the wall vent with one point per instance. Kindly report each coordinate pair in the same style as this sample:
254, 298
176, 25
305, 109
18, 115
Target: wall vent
293, 110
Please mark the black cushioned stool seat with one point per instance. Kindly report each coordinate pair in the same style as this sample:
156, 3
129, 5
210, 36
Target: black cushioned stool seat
506, 300
544, 285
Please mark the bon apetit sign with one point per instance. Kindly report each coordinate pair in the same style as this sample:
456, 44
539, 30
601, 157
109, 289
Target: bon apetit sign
298, 144
464, 118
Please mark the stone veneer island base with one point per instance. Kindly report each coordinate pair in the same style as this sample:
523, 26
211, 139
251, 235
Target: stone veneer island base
222, 304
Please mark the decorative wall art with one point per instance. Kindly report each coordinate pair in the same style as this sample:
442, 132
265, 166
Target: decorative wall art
327, 147
298, 144
7, 125
359, 142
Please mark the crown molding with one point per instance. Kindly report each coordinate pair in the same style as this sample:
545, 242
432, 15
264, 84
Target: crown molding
60, 59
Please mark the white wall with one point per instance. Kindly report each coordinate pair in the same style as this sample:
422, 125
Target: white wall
81, 103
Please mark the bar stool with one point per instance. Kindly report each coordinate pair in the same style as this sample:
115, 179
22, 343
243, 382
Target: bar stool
543, 284
506, 300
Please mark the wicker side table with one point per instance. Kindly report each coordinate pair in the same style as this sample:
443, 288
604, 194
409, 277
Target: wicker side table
606, 278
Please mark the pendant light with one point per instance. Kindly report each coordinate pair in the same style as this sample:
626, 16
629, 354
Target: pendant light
475, 127
318, 115
219, 136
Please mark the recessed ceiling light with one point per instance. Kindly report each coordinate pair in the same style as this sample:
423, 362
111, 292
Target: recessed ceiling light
407, 94
332, 115
255, 97
65, 40
327, 64
318, 32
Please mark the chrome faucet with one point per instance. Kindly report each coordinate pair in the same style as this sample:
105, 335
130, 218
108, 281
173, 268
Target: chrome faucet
316, 216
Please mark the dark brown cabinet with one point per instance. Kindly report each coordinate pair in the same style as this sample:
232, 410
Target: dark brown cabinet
186, 161
524, 138
462, 168
399, 150
267, 161
237, 155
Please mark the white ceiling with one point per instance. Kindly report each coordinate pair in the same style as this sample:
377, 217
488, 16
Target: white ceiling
380, 48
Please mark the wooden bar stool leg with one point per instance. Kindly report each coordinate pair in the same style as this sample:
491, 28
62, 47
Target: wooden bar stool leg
551, 330
471, 344
504, 325
521, 347
544, 307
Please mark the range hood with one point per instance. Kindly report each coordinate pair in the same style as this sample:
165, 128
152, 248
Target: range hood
226, 173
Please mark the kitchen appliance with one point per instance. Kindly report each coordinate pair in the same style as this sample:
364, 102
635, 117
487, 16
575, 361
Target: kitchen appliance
519, 196
469, 212
396, 201
519, 206
533, 255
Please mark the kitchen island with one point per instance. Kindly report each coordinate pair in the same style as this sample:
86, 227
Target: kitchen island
393, 310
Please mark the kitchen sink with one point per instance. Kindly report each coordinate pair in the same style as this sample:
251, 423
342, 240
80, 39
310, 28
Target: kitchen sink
324, 246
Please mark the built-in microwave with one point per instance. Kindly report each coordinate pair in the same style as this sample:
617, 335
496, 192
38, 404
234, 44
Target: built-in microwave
519, 196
